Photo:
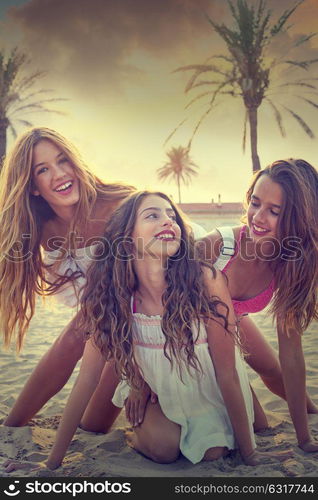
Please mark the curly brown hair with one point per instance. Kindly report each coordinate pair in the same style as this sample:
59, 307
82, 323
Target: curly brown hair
111, 282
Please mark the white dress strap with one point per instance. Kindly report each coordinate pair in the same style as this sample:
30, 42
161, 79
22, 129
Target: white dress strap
228, 247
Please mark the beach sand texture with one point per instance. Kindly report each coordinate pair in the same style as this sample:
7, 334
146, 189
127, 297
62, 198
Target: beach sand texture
98, 455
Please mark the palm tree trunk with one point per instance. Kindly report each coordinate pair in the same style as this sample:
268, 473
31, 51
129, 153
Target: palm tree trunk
252, 116
3, 139
179, 190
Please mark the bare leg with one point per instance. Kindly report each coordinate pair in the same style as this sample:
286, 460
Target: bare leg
157, 437
215, 453
100, 412
263, 359
260, 419
49, 376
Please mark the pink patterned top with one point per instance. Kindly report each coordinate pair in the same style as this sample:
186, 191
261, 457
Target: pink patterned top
254, 304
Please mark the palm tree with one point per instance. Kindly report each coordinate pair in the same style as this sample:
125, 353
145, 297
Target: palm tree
179, 166
18, 96
246, 71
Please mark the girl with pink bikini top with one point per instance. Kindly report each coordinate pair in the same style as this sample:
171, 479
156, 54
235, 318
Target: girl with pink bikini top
281, 215
229, 251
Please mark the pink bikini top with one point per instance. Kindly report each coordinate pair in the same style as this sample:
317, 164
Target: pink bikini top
228, 253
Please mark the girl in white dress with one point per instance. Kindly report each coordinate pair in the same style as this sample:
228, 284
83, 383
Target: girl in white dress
166, 320
52, 210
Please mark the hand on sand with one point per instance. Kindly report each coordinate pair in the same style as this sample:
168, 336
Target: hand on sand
310, 446
12, 465
267, 457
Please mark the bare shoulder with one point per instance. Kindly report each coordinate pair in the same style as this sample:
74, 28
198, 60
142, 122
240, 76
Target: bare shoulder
209, 247
103, 208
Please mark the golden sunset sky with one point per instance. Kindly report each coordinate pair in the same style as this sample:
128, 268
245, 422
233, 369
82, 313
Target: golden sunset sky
114, 61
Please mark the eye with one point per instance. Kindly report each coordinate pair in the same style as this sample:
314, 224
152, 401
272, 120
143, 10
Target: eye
63, 160
152, 215
274, 213
173, 217
41, 170
254, 204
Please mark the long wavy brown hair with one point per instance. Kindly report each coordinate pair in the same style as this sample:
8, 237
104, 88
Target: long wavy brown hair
22, 217
112, 281
296, 276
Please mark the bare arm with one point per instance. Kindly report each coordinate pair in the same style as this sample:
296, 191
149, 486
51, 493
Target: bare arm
222, 350
294, 376
209, 247
86, 382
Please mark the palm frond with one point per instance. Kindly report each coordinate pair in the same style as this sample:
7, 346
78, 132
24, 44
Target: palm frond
26, 123
35, 95
199, 123
297, 84
206, 82
199, 96
175, 130
18, 95
301, 122
197, 67
28, 81
221, 56
302, 64
309, 101
304, 38
278, 117
277, 28
13, 131
198, 70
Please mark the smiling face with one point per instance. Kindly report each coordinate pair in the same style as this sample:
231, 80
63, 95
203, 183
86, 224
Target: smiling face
53, 176
156, 232
264, 209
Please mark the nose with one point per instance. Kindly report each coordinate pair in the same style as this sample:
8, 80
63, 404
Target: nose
259, 215
58, 171
167, 221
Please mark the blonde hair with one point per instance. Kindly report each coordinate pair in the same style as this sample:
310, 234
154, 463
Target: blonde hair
22, 216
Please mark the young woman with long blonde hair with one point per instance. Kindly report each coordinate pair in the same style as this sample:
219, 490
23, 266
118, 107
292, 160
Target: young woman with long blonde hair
53, 210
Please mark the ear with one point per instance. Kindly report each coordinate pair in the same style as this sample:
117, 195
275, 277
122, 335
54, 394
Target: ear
34, 191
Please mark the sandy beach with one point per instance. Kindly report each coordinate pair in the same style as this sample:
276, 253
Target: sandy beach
98, 455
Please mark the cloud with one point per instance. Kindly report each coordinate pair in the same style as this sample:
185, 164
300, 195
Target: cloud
91, 43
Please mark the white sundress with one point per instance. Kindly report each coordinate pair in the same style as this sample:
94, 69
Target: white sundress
69, 293
196, 404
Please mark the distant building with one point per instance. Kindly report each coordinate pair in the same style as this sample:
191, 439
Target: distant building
211, 215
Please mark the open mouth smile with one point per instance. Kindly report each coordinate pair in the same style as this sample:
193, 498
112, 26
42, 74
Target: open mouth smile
259, 230
166, 235
64, 188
